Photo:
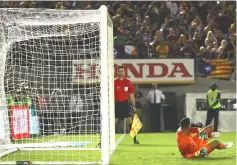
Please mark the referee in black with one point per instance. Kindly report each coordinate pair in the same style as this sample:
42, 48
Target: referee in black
124, 91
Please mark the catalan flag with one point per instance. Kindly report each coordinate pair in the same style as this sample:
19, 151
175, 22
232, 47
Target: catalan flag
206, 68
216, 68
136, 126
223, 69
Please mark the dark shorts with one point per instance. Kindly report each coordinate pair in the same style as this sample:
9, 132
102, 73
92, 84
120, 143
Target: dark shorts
122, 109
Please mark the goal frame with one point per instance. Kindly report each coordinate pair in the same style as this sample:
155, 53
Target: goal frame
106, 84
107, 87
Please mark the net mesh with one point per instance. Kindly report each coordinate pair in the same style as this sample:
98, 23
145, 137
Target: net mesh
50, 96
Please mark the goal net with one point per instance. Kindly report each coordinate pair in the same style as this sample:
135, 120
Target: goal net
56, 86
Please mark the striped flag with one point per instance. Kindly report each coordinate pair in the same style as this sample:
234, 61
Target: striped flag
216, 68
223, 69
136, 126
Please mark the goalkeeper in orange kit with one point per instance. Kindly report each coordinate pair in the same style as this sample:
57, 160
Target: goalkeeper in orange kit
193, 141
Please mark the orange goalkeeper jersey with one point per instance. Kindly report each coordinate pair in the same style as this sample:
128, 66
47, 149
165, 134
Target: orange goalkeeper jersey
190, 145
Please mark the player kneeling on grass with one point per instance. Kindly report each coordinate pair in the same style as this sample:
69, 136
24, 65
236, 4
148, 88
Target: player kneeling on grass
193, 141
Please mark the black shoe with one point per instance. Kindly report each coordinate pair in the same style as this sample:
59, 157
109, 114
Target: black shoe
136, 142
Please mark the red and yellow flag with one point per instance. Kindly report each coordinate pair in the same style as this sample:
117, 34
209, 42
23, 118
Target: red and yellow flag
136, 126
223, 68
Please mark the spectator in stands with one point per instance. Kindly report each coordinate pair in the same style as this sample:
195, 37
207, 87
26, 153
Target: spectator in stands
214, 49
172, 39
232, 29
173, 7
110, 10
140, 45
160, 47
207, 28
187, 51
116, 21
125, 10
164, 11
181, 41
196, 25
136, 10
204, 53
120, 38
183, 19
196, 41
147, 22
138, 22
153, 14
154, 29
210, 39
231, 46
146, 34
224, 21
219, 36
164, 28
222, 51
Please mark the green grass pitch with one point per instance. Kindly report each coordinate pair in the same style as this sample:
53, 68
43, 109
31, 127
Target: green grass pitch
155, 149
161, 149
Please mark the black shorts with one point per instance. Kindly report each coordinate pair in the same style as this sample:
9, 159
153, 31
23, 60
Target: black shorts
122, 109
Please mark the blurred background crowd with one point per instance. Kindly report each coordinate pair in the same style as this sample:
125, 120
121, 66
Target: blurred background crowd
161, 29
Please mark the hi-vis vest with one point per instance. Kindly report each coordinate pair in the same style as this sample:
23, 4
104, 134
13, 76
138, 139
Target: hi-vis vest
212, 95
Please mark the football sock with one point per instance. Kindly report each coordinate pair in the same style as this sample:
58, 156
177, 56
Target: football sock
134, 138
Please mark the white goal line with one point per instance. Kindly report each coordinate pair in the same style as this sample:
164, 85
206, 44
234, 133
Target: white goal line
47, 145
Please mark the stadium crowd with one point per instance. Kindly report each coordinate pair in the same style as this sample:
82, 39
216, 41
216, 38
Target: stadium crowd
162, 29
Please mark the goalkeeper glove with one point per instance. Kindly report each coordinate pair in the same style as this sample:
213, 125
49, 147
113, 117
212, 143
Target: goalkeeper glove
203, 135
203, 152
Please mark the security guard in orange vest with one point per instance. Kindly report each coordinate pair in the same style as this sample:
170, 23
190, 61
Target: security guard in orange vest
214, 105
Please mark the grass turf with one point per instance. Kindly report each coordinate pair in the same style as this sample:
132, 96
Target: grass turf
161, 149
155, 149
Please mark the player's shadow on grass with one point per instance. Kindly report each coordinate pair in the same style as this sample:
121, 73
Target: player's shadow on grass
149, 145
213, 158
157, 145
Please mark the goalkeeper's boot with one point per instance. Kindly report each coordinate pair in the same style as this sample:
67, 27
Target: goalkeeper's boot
228, 145
215, 134
136, 142
203, 152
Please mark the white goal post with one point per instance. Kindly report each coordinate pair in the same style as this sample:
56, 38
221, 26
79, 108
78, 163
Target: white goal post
56, 86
